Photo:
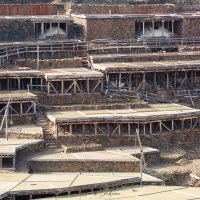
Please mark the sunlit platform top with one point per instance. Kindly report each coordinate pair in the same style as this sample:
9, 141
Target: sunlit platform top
146, 66
139, 193
17, 96
70, 73
20, 183
10, 146
152, 112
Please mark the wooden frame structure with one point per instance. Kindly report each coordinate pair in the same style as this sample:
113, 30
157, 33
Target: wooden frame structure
148, 76
73, 80
156, 119
21, 103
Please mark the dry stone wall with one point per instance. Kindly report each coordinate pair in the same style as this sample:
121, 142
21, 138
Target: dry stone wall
147, 57
83, 166
54, 63
16, 30
110, 28
29, 9
190, 27
159, 141
123, 9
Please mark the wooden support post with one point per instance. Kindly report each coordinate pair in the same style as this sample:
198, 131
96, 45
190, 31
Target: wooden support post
143, 28
191, 124
8, 84
48, 87
55, 130
62, 87
163, 26
150, 127
192, 78
119, 129
129, 83
195, 78
144, 81
144, 127
119, 84
41, 83
42, 30
19, 84
153, 27
160, 124
58, 29
21, 107
74, 86
102, 85
70, 129
167, 80
172, 125
108, 128
154, 80
38, 57
66, 30
175, 79
136, 83
31, 83
50, 30
182, 124
95, 129
172, 28
83, 128
34, 104
129, 128
88, 85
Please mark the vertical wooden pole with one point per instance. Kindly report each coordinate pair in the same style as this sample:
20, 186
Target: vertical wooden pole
172, 125
108, 128
129, 83
74, 86
95, 129
8, 84
19, 84
191, 124
150, 127
129, 128
119, 129
88, 85
154, 80
160, 124
119, 84
167, 80
21, 107
48, 87
182, 124
175, 79
62, 87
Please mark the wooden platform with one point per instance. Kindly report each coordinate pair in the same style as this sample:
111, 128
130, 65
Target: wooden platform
153, 112
43, 184
147, 66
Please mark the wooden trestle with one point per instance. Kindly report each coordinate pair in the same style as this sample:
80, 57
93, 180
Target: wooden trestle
157, 118
21, 102
151, 75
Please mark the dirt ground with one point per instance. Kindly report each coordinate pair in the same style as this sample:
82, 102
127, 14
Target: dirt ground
178, 166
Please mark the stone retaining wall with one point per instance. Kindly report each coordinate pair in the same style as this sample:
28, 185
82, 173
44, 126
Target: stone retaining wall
21, 119
123, 9
28, 150
159, 141
83, 166
190, 27
146, 58
14, 135
54, 63
29, 9
16, 30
